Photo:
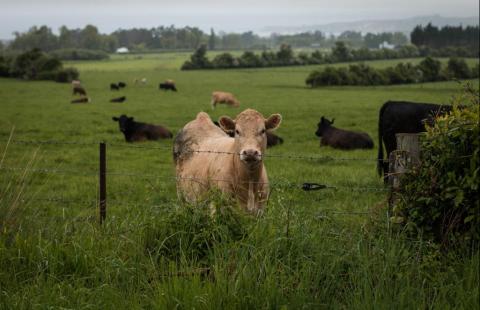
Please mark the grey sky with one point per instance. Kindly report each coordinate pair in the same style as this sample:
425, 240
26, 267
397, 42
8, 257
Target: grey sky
228, 15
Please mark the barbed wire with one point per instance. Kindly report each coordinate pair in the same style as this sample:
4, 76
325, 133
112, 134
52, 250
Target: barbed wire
306, 186
169, 147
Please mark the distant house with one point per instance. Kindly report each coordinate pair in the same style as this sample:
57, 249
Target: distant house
386, 45
122, 50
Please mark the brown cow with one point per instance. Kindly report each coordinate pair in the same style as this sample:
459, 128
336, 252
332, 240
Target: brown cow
233, 165
79, 90
224, 97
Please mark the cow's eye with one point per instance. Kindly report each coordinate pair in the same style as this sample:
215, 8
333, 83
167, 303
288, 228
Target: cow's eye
262, 132
237, 132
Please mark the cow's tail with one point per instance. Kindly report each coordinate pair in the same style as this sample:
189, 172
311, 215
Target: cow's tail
380, 163
280, 140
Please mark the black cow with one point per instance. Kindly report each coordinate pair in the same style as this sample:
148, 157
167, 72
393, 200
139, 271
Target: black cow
81, 100
403, 117
342, 139
114, 86
167, 86
119, 99
136, 131
122, 84
272, 139
79, 90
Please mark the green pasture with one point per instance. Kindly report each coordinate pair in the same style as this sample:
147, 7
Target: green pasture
323, 249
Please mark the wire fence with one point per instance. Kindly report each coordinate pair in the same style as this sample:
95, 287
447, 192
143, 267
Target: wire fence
273, 184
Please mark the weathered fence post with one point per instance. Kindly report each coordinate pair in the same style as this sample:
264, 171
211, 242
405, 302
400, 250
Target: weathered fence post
404, 158
103, 182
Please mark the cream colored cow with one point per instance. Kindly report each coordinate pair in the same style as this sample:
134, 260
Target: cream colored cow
233, 165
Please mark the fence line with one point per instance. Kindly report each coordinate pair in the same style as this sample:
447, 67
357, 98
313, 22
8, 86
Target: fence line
169, 147
306, 186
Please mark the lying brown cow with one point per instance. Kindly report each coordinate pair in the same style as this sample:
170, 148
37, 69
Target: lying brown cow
342, 139
237, 169
224, 97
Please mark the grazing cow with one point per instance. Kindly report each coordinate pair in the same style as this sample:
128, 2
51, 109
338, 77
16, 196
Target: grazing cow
402, 117
233, 165
122, 84
142, 81
136, 131
340, 138
224, 97
79, 90
118, 99
114, 86
168, 85
272, 139
81, 100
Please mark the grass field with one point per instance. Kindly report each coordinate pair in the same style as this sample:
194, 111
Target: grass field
323, 249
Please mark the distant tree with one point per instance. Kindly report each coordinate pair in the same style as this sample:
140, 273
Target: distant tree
430, 69
340, 52
211, 40
458, 68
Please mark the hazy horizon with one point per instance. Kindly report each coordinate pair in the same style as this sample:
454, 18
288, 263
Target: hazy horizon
109, 15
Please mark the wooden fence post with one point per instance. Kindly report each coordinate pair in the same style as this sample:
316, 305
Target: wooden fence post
103, 182
404, 158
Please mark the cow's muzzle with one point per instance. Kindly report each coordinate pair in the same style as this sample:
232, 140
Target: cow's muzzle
251, 156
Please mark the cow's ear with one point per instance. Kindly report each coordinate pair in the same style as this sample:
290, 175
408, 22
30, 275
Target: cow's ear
130, 118
332, 121
115, 118
227, 124
273, 121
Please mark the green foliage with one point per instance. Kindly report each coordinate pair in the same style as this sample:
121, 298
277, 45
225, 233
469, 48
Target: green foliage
224, 60
36, 65
439, 199
79, 54
458, 68
66, 75
198, 60
428, 70
340, 52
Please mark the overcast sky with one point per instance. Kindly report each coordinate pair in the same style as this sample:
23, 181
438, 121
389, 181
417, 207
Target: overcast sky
228, 15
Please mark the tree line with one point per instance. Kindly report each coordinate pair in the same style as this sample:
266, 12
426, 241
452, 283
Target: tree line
186, 38
436, 38
285, 56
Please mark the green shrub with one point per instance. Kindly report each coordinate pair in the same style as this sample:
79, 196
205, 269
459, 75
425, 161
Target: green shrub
66, 75
430, 69
224, 60
458, 68
439, 199
79, 54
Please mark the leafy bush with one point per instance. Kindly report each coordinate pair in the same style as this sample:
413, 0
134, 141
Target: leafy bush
440, 198
79, 54
458, 68
429, 70
198, 60
36, 65
224, 60
66, 75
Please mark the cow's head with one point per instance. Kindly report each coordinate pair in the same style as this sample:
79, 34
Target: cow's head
250, 129
323, 125
123, 122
